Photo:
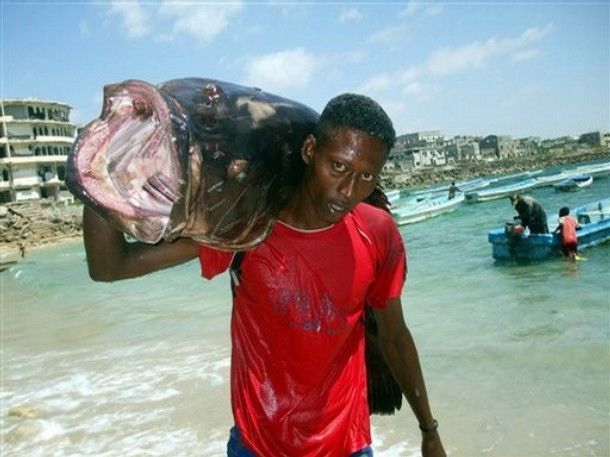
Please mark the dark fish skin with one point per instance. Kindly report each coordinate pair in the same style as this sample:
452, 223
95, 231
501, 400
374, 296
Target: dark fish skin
194, 157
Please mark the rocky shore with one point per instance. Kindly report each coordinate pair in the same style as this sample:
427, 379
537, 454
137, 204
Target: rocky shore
37, 223
42, 222
422, 177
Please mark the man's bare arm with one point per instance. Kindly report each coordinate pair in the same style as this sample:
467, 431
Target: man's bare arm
110, 257
400, 352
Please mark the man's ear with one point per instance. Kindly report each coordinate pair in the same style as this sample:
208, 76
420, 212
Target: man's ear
308, 149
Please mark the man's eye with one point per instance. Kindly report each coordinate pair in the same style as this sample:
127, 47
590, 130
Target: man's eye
338, 166
367, 177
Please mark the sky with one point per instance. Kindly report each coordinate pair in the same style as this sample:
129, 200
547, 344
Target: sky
462, 67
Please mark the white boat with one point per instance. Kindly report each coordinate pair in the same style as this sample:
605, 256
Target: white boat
549, 180
419, 211
393, 195
463, 186
500, 191
594, 169
574, 182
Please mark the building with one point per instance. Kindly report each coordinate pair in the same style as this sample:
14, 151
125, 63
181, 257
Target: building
462, 148
596, 139
528, 145
420, 138
497, 147
35, 139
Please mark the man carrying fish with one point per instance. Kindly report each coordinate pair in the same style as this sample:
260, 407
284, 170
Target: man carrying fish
298, 375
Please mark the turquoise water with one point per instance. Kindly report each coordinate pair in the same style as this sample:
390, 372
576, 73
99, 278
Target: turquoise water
516, 356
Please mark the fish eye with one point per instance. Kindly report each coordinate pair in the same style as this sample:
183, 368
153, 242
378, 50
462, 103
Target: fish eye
338, 166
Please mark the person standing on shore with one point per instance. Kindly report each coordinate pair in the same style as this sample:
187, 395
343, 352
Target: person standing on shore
328, 257
21, 247
530, 212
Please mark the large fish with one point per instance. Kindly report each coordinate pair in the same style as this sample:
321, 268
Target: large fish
193, 157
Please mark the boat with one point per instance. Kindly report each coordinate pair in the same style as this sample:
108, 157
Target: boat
594, 221
421, 210
463, 186
594, 169
393, 195
574, 182
500, 191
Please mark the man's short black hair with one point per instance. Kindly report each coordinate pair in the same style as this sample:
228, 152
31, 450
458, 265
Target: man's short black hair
357, 112
564, 211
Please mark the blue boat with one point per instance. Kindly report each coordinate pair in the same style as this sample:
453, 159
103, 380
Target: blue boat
594, 220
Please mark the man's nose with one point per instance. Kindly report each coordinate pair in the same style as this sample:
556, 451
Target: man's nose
348, 186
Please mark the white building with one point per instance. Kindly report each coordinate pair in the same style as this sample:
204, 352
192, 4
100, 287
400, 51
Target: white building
35, 139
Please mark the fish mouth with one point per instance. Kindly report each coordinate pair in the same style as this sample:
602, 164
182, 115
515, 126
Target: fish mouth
127, 161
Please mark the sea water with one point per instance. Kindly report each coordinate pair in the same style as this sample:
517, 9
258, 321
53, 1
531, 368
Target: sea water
515, 356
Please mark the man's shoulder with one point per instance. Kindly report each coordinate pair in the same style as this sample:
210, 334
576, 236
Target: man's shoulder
372, 217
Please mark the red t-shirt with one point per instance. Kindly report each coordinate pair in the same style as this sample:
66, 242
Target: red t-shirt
298, 375
568, 230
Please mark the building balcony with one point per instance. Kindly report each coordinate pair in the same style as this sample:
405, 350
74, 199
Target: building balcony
54, 181
30, 160
30, 139
24, 183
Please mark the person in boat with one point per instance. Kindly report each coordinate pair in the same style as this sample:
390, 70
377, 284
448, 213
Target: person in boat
567, 227
452, 190
298, 377
530, 213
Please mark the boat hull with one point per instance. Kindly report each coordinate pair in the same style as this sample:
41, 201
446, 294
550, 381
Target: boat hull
426, 209
573, 183
595, 228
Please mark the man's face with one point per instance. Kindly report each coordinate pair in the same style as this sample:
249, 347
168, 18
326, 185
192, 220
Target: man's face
340, 173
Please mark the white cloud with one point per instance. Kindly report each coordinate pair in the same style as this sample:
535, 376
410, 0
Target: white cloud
526, 54
172, 18
202, 21
421, 91
420, 81
281, 70
427, 9
136, 20
410, 9
350, 15
476, 54
451, 60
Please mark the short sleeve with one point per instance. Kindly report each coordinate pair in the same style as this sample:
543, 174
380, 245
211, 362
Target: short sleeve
391, 270
389, 254
213, 261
